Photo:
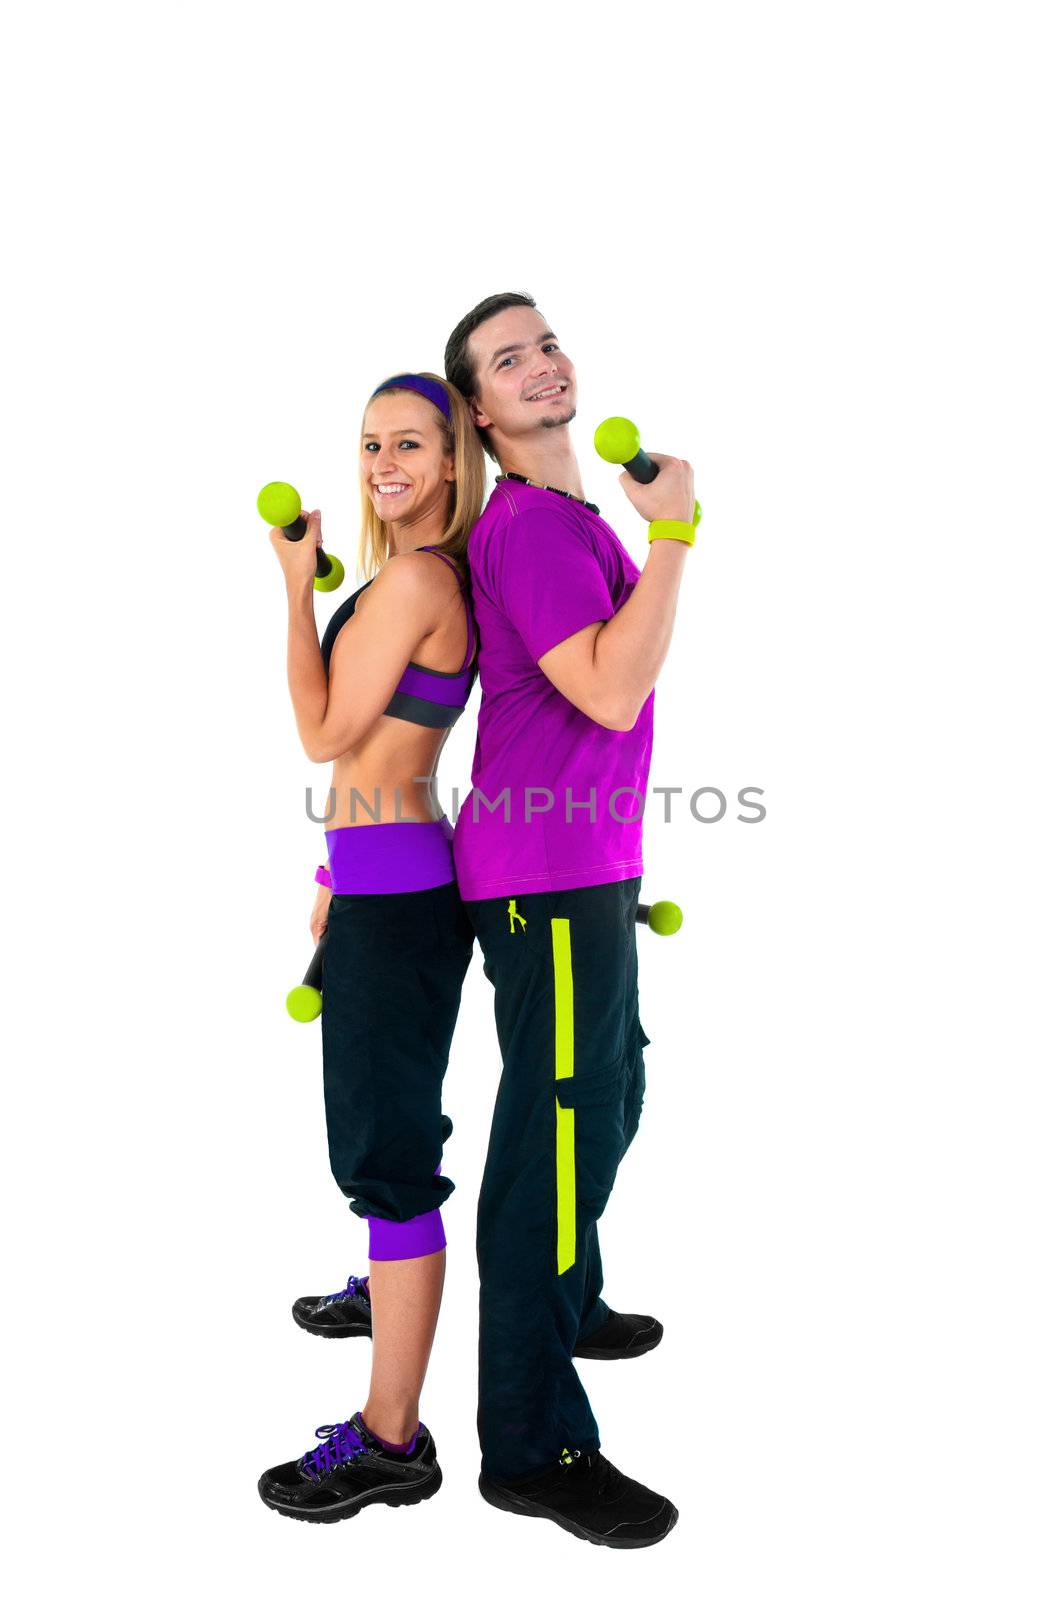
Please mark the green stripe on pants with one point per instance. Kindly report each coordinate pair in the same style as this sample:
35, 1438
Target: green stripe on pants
564, 1067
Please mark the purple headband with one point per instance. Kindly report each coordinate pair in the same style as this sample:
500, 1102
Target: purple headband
425, 386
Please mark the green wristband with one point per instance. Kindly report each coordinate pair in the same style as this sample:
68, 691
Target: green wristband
662, 529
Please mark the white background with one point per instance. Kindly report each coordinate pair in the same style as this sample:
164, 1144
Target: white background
814, 248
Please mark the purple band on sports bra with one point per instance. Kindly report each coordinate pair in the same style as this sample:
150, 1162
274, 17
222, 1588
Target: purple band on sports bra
425, 386
390, 857
442, 688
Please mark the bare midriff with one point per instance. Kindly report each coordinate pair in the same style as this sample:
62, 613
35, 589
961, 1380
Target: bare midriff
388, 776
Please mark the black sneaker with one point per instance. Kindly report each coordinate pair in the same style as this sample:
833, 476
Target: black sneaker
586, 1495
346, 1315
622, 1335
349, 1471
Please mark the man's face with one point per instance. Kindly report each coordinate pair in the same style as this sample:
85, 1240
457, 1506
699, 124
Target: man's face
524, 381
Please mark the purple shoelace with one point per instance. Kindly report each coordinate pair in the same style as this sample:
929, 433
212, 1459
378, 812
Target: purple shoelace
354, 1286
341, 1444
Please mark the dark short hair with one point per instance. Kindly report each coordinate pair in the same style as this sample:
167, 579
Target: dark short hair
457, 361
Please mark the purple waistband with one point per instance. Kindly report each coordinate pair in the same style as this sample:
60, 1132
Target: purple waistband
390, 857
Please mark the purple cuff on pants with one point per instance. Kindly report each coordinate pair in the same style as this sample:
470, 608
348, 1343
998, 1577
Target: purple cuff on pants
404, 1241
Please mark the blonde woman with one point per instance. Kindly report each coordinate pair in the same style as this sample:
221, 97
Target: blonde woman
378, 697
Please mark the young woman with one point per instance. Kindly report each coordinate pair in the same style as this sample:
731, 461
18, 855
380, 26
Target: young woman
377, 698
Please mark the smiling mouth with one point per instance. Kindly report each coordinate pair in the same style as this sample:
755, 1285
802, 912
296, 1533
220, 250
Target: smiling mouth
391, 490
555, 391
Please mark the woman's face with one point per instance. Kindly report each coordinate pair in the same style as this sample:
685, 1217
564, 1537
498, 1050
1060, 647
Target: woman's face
405, 468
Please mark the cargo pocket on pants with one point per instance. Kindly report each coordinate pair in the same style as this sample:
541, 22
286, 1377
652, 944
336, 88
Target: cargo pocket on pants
590, 1142
636, 1085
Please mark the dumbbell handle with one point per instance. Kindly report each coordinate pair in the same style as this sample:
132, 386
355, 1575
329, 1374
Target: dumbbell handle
317, 966
295, 531
641, 468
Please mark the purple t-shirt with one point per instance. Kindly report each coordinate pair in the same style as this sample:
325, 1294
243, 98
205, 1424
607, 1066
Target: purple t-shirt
544, 567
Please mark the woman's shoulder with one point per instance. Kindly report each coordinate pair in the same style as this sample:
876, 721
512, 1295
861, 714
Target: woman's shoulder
413, 578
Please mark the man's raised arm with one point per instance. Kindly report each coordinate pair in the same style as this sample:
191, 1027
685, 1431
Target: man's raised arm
608, 669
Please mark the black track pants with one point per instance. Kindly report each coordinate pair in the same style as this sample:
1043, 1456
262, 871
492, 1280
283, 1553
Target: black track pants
565, 973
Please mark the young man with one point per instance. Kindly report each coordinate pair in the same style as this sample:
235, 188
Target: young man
549, 862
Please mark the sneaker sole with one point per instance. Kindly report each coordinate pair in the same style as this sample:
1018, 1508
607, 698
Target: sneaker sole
373, 1497
505, 1500
616, 1355
338, 1331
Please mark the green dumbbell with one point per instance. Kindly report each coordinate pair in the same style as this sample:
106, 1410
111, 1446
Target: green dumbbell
663, 917
279, 505
617, 440
304, 1001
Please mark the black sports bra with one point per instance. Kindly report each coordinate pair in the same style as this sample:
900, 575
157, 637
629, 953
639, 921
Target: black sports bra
422, 695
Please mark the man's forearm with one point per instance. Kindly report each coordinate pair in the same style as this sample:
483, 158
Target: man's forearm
307, 682
630, 650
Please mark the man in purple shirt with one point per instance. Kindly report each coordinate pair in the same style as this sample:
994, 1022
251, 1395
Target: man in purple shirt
548, 850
